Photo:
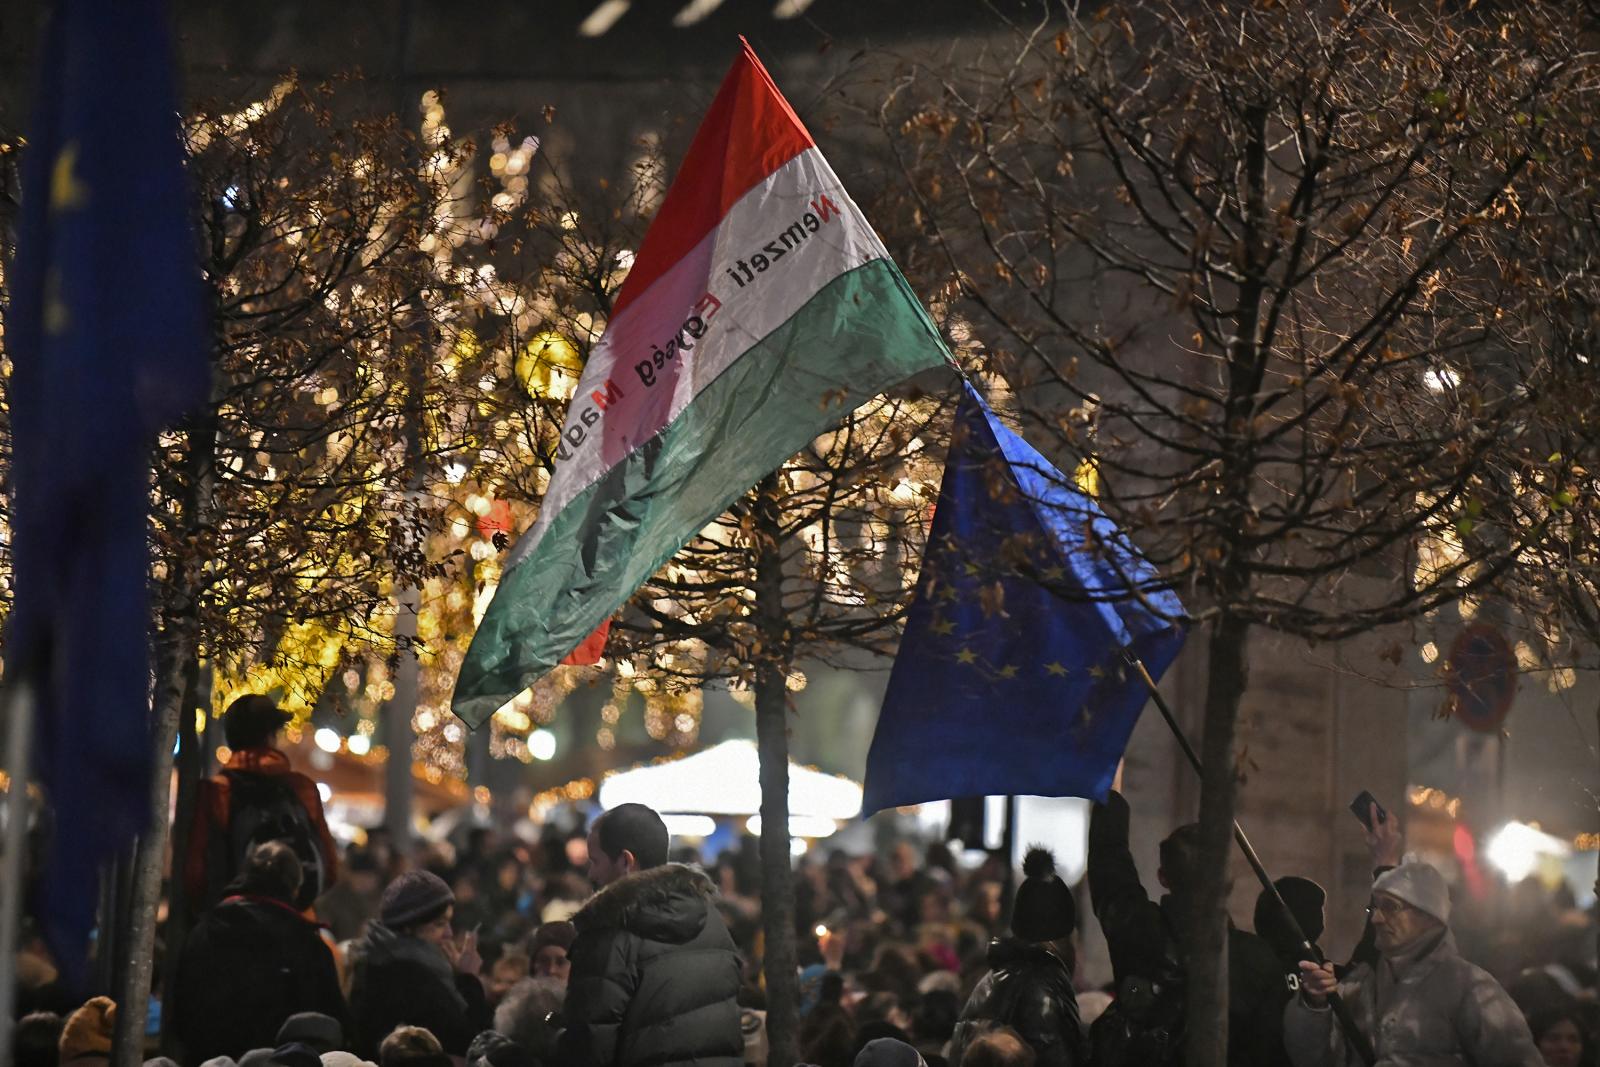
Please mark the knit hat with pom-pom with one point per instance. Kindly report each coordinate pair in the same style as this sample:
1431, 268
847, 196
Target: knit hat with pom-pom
88, 1030
1044, 909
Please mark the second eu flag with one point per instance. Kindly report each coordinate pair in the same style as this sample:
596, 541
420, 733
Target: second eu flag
1012, 676
106, 332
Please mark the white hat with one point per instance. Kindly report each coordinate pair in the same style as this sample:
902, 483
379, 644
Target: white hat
1418, 885
340, 1058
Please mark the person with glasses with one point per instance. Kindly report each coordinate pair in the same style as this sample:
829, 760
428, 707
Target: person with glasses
1421, 1004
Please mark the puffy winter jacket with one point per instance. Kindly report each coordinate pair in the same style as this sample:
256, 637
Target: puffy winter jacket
249, 964
655, 976
1028, 988
1434, 1009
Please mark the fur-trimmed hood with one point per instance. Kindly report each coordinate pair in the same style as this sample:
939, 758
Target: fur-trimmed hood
667, 903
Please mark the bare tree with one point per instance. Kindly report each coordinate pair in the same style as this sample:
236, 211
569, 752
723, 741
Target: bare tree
1257, 266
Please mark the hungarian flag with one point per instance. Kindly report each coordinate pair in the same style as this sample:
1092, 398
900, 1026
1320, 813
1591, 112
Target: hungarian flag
760, 309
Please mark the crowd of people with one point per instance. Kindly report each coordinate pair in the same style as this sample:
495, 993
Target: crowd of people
600, 945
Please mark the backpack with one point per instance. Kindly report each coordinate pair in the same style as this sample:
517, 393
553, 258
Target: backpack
1143, 1027
262, 808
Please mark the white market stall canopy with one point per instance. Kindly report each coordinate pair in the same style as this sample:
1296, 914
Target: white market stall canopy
725, 780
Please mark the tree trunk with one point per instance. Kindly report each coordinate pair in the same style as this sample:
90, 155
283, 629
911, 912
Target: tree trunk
191, 767
149, 862
780, 961
1206, 947
399, 790
175, 678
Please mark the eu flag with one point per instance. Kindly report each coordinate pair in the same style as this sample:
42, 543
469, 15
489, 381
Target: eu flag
1012, 676
106, 333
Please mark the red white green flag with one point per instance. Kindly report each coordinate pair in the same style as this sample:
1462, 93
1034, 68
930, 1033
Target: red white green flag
760, 308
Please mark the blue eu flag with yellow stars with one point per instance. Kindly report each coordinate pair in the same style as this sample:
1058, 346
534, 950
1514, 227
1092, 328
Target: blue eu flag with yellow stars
106, 331
1012, 675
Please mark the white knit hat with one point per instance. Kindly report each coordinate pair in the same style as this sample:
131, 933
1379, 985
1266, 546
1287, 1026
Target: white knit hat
339, 1058
1418, 885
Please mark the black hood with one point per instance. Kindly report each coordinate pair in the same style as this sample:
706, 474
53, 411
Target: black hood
667, 903
1010, 954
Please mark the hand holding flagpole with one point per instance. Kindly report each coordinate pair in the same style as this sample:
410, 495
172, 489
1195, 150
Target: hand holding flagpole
1341, 1011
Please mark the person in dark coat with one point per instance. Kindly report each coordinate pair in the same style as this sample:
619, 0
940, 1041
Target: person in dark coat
1305, 900
1029, 984
655, 974
1144, 1026
414, 973
252, 962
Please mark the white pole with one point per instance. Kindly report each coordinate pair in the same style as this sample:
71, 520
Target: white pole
19, 741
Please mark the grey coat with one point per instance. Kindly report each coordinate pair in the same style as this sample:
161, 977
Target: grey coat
1434, 1009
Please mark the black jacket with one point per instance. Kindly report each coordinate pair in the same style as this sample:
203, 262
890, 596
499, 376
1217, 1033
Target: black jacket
655, 976
249, 964
394, 988
1143, 938
1028, 988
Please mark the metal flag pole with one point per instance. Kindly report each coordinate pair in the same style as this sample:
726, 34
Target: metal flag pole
19, 742
1341, 1011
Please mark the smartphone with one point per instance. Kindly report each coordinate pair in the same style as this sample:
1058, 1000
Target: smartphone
1366, 808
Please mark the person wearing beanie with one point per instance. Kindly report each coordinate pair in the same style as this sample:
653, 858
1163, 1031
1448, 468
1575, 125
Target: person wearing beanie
548, 951
1419, 1000
86, 1038
1305, 900
1029, 984
296, 1054
322, 1032
1145, 1023
889, 1052
230, 994
413, 971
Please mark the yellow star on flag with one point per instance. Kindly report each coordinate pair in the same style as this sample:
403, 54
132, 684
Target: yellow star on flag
66, 191
1056, 669
1008, 671
943, 627
966, 655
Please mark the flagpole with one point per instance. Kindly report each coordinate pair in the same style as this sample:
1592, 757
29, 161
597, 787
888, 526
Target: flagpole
19, 743
1341, 1011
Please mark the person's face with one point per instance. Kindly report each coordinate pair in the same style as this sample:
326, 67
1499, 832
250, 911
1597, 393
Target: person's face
989, 903
603, 870
504, 975
551, 962
904, 861
1562, 1045
1396, 924
437, 931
